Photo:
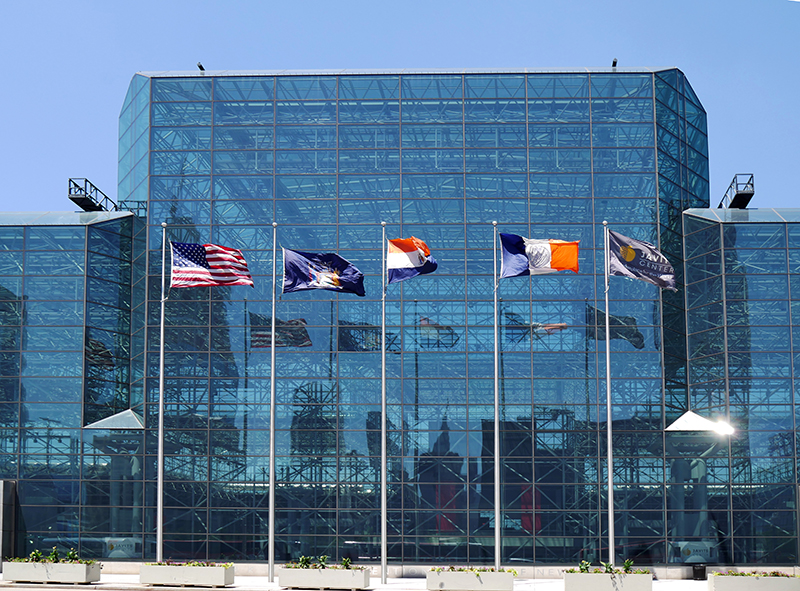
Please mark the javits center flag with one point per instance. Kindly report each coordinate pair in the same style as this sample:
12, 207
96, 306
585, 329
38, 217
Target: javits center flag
407, 258
308, 270
288, 333
639, 260
194, 265
528, 256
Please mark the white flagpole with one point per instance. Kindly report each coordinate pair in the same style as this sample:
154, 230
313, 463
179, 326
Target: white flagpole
271, 539
497, 496
160, 467
384, 462
609, 451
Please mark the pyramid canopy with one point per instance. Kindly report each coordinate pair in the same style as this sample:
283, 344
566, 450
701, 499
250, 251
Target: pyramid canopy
127, 420
690, 421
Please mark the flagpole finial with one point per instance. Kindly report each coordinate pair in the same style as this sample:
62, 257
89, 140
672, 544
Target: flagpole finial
163, 224
605, 223
274, 224
494, 223
383, 224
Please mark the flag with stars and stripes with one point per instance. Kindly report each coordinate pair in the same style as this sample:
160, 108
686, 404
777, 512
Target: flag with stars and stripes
195, 265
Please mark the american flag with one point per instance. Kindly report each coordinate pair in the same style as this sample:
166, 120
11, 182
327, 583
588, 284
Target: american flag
194, 265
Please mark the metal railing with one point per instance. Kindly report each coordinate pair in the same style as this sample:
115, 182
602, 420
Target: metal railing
88, 197
739, 193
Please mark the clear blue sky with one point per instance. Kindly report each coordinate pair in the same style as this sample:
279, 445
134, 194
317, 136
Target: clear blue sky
67, 65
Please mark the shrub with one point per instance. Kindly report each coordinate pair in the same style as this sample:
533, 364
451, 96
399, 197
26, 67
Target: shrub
772, 573
472, 569
322, 563
52, 558
170, 562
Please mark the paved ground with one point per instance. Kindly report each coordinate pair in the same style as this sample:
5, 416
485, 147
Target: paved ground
111, 582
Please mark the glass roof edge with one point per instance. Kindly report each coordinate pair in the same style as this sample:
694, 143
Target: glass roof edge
59, 218
706, 213
403, 71
763, 215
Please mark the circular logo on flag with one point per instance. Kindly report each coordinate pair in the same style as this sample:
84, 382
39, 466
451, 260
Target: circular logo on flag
628, 253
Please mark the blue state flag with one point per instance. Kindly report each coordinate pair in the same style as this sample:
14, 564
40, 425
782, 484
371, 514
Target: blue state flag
308, 270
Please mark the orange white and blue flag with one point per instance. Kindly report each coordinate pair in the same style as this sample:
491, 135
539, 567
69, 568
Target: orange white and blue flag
407, 258
530, 256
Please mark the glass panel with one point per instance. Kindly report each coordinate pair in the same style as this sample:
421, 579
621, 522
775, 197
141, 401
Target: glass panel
557, 86
560, 110
432, 86
368, 136
180, 163
11, 263
622, 85
243, 162
306, 112
289, 136
244, 138
180, 138
755, 235
308, 161
179, 188
54, 263
11, 238
433, 136
174, 114
170, 89
369, 87
235, 188
623, 110
244, 113
442, 111
55, 238
558, 136
369, 111
306, 87
244, 89
494, 111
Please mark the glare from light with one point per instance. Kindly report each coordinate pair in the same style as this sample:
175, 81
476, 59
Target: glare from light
722, 427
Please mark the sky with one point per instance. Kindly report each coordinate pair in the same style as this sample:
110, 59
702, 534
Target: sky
68, 63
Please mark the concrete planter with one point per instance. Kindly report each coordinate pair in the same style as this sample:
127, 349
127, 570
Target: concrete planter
327, 578
51, 572
723, 583
468, 581
607, 582
179, 575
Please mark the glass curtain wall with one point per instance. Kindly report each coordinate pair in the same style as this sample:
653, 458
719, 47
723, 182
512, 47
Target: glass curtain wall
741, 268
65, 331
438, 157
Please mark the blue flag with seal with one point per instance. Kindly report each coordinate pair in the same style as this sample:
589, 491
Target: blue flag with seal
308, 270
636, 259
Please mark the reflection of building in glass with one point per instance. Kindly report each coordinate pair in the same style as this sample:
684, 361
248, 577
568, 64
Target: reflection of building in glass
438, 156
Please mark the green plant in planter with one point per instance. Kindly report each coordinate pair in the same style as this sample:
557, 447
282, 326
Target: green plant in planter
472, 569
346, 563
585, 567
323, 561
304, 562
170, 562
773, 573
53, 557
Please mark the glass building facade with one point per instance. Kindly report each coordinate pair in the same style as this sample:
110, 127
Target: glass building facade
221, 156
